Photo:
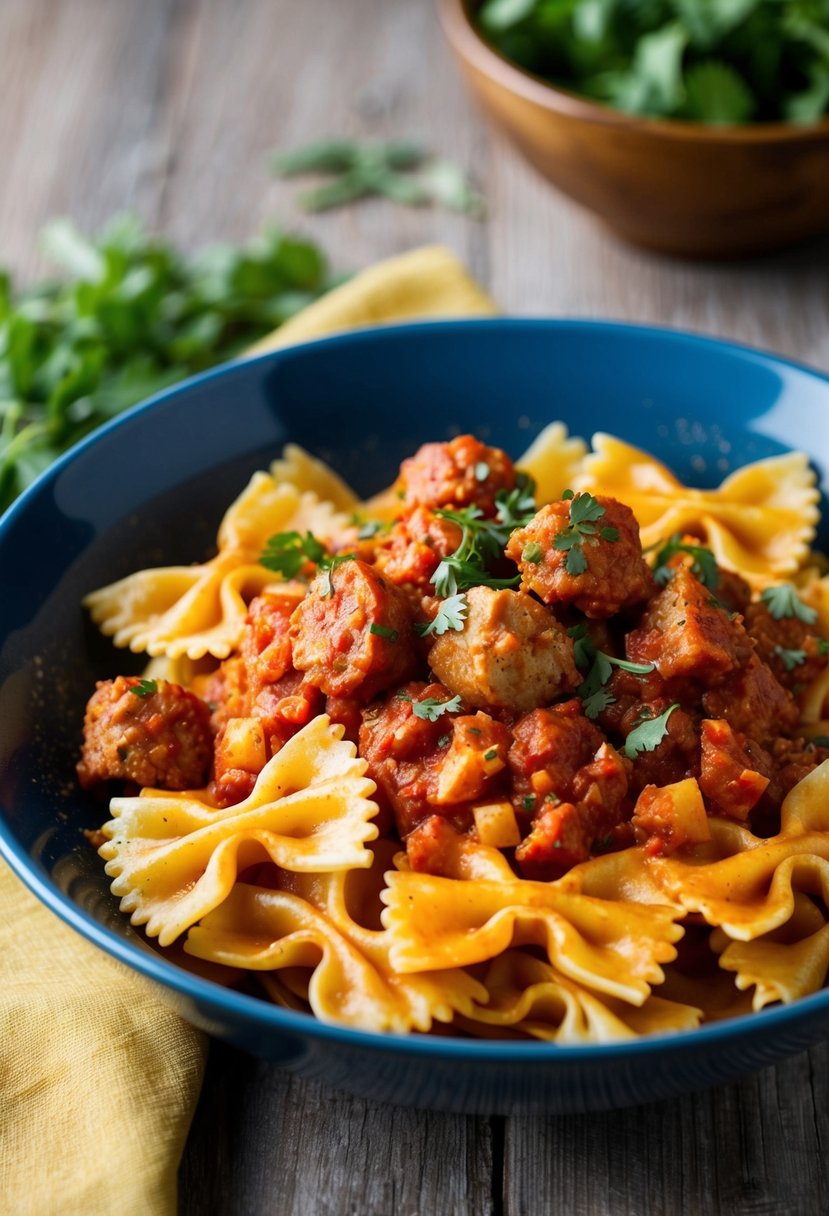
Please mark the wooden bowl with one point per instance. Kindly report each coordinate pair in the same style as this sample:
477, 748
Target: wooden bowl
676, 187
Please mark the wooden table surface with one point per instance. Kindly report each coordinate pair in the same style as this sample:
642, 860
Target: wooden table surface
169, 107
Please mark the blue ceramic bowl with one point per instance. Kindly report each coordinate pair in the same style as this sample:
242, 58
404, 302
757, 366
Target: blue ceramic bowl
151, 488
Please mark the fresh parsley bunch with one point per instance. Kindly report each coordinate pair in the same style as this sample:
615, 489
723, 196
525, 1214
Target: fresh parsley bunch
132, 316
709, 61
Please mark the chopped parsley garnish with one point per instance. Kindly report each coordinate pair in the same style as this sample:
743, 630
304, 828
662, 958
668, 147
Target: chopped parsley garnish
383, 631
492, 754
443, 741
528, 802
144, 688
430, 709
822, 645
703, 565
820, 740
287, 553
592, 691
650, 732
450, 615
783, 601
585, 512
482, 542
790, 658
370, 529
481, 470
532, 553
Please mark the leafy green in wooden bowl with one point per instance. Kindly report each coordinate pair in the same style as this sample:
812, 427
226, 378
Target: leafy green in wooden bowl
721, 62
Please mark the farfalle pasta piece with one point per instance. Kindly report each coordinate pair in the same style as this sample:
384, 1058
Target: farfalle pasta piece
529, 996
758, 522
422, 998
613, 947
752, 890
784, 965
305, 472
182, 611
554, 461
174, 857
198, 610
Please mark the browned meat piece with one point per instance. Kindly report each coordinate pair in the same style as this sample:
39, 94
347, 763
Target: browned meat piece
436, 847
732, 591
353, 632
421, 766
460, 473
616, 577
152, 733
687, 635
477, 753
754, 703
728, 776
511, 653
563, 833
548, 749
668, 817
788, 646
794, 759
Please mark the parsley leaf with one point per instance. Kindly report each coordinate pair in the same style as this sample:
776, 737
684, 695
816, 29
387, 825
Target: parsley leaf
132, 316
585, 512
430, 709
383, 631
450, 615
790, 658
782, 601
287, 552
400, 170
703, 566
144, 688
586, 654
650, 732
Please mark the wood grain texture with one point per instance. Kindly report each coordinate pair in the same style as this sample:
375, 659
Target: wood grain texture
170, 107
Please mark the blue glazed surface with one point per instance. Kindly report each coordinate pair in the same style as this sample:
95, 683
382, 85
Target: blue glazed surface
151, 488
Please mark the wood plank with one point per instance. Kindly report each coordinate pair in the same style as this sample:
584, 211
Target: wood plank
752, 1148
268, 1144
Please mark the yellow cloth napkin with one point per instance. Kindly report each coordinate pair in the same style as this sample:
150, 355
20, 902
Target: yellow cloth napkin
98, 1079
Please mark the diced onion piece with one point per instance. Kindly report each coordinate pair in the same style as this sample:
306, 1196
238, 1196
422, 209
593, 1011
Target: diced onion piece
496, 825
243, 745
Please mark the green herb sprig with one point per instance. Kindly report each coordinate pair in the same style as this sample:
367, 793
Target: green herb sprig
144, 688
399, 170
703, 565
783, 601
709, 61
132, 316
648, 734
583, 528
430, 708
592, 691
286, 553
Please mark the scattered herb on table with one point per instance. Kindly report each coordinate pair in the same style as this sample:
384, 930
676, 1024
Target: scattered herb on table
711, 61
132, 316
399, 170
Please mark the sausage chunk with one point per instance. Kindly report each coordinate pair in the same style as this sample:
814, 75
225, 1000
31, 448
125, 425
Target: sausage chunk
613, 573
353, 631
461, 473
687, 635
548, 749
414, 547
729, 777
150, 732
754, 703
510, 654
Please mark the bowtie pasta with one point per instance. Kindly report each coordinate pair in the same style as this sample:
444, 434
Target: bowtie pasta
535, 751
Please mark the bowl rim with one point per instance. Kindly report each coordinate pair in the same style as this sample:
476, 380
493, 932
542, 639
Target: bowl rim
257, 1012
471, 46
